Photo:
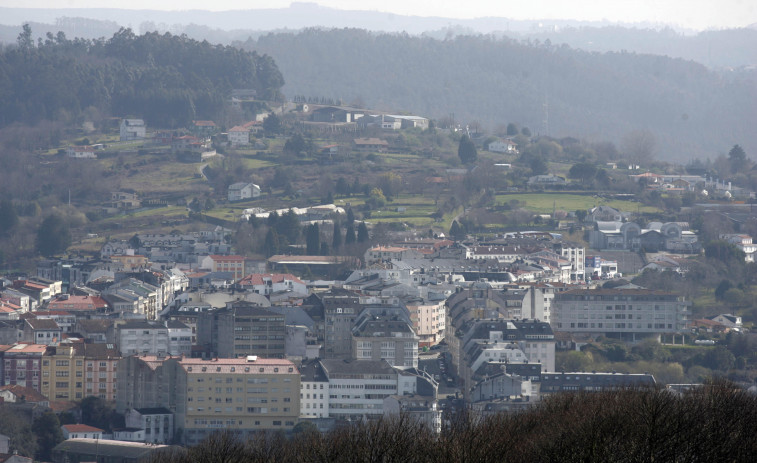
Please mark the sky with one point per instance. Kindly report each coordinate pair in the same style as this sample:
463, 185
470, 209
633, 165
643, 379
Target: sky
691, 14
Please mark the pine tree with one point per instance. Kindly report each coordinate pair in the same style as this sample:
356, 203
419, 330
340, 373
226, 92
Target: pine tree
313, 240
349, 237
336, 241
467, 150
362, 233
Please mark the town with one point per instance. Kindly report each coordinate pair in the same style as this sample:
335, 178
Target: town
306, 265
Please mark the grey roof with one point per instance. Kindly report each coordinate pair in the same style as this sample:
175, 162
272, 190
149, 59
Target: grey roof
107, 448
175, 324
42, 324
337, 366
312, 372
140, 325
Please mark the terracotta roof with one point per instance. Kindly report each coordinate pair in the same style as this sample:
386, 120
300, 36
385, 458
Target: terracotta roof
29, 394
27, 348
218, 258
80, 428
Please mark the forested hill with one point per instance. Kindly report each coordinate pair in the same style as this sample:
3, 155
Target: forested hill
694, 112
168, 80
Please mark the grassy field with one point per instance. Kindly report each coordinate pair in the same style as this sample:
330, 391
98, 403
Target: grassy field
544, 203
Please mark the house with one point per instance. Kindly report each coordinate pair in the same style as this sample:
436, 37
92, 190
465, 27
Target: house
370, 144
123, 200
239, 135
204, 129
133, 129
42, 331
157, 423
271, 283
81, 152
503, 146
81, 431
729, 321
743, 242
240, 191
546, 180
13, 393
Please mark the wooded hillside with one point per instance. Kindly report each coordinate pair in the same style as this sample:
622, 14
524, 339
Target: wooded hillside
554, 90
165, 79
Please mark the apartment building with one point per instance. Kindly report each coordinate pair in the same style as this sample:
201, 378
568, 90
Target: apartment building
100, 371
140, 337
244, 395
63, 372
628, 314
429, 320
388, 338
22, 365
241, 329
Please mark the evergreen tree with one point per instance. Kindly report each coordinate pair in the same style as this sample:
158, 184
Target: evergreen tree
457, 231
313, 240
47, 430
8, 216
349, 237
362, 233
336, 241
350, 216
467, 150
271, 245
325, 251
53, 236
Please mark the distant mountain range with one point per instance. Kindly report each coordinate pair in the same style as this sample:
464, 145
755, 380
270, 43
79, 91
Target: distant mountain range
696, 93
726, 48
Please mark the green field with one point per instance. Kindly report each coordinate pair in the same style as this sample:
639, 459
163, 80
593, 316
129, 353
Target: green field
544, 203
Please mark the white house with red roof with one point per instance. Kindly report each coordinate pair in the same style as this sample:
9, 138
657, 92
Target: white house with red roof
81, 431
271, 283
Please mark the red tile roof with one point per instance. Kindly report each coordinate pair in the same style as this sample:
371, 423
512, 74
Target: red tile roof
80, 428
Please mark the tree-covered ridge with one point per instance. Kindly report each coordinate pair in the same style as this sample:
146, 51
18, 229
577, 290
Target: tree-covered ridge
554, 90
166, 79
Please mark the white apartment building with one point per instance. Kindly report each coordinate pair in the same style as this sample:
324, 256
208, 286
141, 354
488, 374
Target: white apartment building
141, 337
628, 314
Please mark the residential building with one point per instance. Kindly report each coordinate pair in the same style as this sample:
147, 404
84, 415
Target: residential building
179, 338
503, 146
239, 136
146, 381
41, 331
81, 431
628, 314
231, 264
314, 391
156, 423
22, 365
100, 370
423, 409
357, 388
743, 242
63, 372
241, 329
385, 253
13, 393
429, 320
241, 190
557, 382
140, 337
244, 395
271, 283
132, 129
382, 337
732, 322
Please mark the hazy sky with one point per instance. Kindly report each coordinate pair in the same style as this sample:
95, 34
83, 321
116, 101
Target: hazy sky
694, 14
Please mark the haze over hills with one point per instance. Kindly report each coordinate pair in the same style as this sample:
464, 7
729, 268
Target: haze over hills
554, 77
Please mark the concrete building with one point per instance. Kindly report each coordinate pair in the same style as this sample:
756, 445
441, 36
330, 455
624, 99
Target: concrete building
140, 337
358, 388
743, 242
241, 191
156, 423
81, 431
241, 329
22, 365
179, 338
628, 314
244, 395
63, 372
314, 391
429, 320
132, 129
387, 338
